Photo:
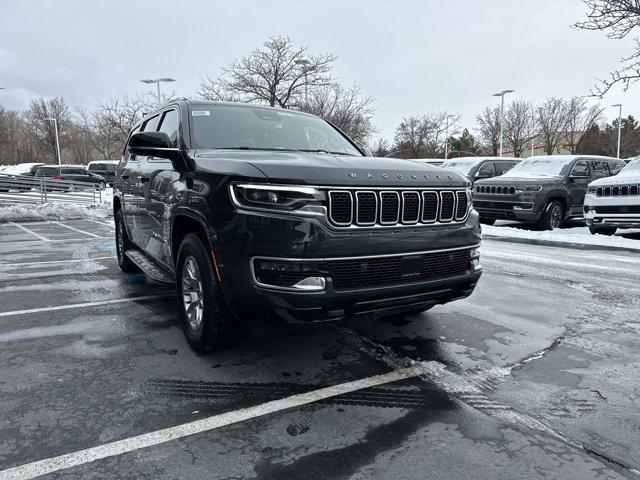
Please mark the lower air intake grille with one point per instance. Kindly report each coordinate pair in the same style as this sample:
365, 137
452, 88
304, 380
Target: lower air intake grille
380, 271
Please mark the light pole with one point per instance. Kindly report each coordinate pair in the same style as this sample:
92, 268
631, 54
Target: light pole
305, 63
502, 94
619, 105
55, 124
157, 82
446, 136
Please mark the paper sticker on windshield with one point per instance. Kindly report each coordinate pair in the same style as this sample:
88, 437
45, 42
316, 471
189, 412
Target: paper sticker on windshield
200, 113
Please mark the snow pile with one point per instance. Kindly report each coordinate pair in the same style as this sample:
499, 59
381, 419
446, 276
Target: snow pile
54, 211
576, 235
59, 211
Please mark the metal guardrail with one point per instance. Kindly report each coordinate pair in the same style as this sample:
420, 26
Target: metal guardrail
23, 189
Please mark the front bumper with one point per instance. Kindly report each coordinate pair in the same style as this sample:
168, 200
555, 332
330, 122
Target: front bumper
618, 212
525, 207
306, 240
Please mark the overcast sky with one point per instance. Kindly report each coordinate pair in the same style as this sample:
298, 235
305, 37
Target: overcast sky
413, 56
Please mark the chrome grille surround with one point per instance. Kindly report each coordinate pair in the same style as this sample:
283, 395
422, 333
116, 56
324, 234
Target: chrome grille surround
399, 207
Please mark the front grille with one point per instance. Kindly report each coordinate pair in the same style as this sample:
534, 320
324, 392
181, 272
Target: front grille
448, 201
496, 189
341, 207
618, 191
392, 270
365, 208
488, 205
462, 205
389, 208
411, 207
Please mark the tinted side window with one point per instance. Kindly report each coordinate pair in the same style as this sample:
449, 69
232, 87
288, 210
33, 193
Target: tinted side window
581, 168
600, 169
615, 167
487, 169
151, 124
503, 167
46, 171
169, 125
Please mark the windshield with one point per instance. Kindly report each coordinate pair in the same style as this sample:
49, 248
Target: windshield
632, 167
463, 166
257, 128
539, 167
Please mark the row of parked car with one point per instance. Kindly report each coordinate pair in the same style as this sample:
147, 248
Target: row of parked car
550, 190
102, 172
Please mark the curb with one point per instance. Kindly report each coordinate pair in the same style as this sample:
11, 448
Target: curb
554, 243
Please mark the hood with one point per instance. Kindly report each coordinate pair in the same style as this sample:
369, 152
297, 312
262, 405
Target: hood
326, 169
632, 178
520, 180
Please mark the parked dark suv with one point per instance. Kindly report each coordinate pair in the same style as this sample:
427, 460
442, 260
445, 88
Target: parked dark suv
544, 190
254, 211
476, 168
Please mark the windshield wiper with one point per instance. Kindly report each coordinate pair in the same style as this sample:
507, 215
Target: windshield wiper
321, 150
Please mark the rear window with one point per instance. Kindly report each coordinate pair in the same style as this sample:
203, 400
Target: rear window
96, 167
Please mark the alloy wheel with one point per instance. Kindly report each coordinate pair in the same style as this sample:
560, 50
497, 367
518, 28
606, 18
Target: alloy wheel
556, 216
192, 295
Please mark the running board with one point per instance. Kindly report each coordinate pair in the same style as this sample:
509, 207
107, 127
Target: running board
150, 267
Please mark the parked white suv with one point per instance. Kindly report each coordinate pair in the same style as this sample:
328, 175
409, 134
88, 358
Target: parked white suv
614, 202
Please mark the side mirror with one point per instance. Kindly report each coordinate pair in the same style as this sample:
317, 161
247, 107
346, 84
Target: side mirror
155, 144
484, 175
578, 175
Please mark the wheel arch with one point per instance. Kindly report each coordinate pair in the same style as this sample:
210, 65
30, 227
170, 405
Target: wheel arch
185, 221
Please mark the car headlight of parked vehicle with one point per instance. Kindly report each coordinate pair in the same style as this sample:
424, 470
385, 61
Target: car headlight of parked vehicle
528, 188
592, 189
277, 197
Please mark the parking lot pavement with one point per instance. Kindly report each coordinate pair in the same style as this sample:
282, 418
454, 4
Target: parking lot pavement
535, 375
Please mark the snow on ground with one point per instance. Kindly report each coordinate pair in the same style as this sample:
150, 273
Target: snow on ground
572, 235
58, 210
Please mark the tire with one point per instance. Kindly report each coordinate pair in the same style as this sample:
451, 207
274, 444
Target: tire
206, 321
608, 231
487, 221
552, 217
122, 245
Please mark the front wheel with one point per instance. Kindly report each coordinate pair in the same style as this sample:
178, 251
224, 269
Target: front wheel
552, 217
123, 244
206, 322
608, 231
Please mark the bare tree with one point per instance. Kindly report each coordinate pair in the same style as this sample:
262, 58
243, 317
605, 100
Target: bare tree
423, 136
111, 122
345, 108
552, 118
277, 74
580, 118
41, 109
17, 141
519, 126
617, 18
489, 128
380, 147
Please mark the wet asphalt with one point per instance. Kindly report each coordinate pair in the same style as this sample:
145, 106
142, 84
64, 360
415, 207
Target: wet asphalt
536, 375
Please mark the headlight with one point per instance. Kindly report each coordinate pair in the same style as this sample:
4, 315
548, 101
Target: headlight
276, 197
528, 188
591, 189
470, 198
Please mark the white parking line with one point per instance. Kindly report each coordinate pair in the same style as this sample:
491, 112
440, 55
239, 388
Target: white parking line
105, 224
29, 264
85, 239
81, 457
80, 305
25, 229
76, 229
